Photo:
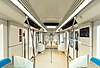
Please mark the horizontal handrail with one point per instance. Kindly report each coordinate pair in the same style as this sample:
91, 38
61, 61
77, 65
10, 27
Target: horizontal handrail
15, 45
86, 45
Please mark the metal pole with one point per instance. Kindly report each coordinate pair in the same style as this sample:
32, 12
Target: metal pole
51, 50
92, 23
8, 38
33, 48
32, 43
73, 39
24, 45
68, 57
28, 38
65, 39
69, 44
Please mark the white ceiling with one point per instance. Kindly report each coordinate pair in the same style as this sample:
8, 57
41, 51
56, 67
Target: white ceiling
51, 10
46, 10
10, 12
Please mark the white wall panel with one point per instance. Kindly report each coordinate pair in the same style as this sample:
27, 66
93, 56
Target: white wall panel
3, 37
16, 51
13, 35
85, 44
96, 23
89, 13
15, 47
1, 41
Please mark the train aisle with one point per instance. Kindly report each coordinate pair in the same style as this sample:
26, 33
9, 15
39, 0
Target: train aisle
43, 60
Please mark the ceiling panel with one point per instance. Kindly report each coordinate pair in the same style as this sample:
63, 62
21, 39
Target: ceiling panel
9, 11
51, 10
54, 11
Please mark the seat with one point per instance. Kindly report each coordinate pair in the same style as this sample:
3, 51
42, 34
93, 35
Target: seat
61, 47
40, 47
5, 63
80, 62
20, 62
94, 63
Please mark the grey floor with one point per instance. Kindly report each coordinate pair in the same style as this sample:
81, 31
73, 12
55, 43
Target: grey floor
43, 60
59, 60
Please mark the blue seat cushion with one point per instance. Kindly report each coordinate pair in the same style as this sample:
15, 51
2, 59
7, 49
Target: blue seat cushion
4, 61
95, 60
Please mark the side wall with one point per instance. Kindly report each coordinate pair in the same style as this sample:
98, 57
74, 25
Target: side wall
9, 39
15, 47
3, 38
89, 45
96, 23
85, 43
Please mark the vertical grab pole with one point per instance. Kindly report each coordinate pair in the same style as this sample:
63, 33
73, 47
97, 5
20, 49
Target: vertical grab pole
51, 47
33, 48
51, 50
24, 45
69, 44
73, 39
28, 36
68, 56
32, 44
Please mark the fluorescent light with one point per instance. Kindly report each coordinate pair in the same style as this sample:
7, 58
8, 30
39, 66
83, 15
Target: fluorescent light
51, 26
86, 2
26, 12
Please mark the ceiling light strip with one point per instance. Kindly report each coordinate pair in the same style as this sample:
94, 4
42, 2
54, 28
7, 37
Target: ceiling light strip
26, 12
74, 6
86, 2
51, 27
27, 5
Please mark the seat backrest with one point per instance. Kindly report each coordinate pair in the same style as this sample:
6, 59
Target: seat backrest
20, 62
79, 62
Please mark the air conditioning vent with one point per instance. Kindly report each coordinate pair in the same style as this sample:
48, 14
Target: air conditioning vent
27, 5
75, 5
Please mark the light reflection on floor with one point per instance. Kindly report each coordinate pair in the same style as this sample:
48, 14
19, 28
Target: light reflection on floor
43, 60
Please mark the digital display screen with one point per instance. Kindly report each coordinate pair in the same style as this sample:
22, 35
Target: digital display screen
84, 32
